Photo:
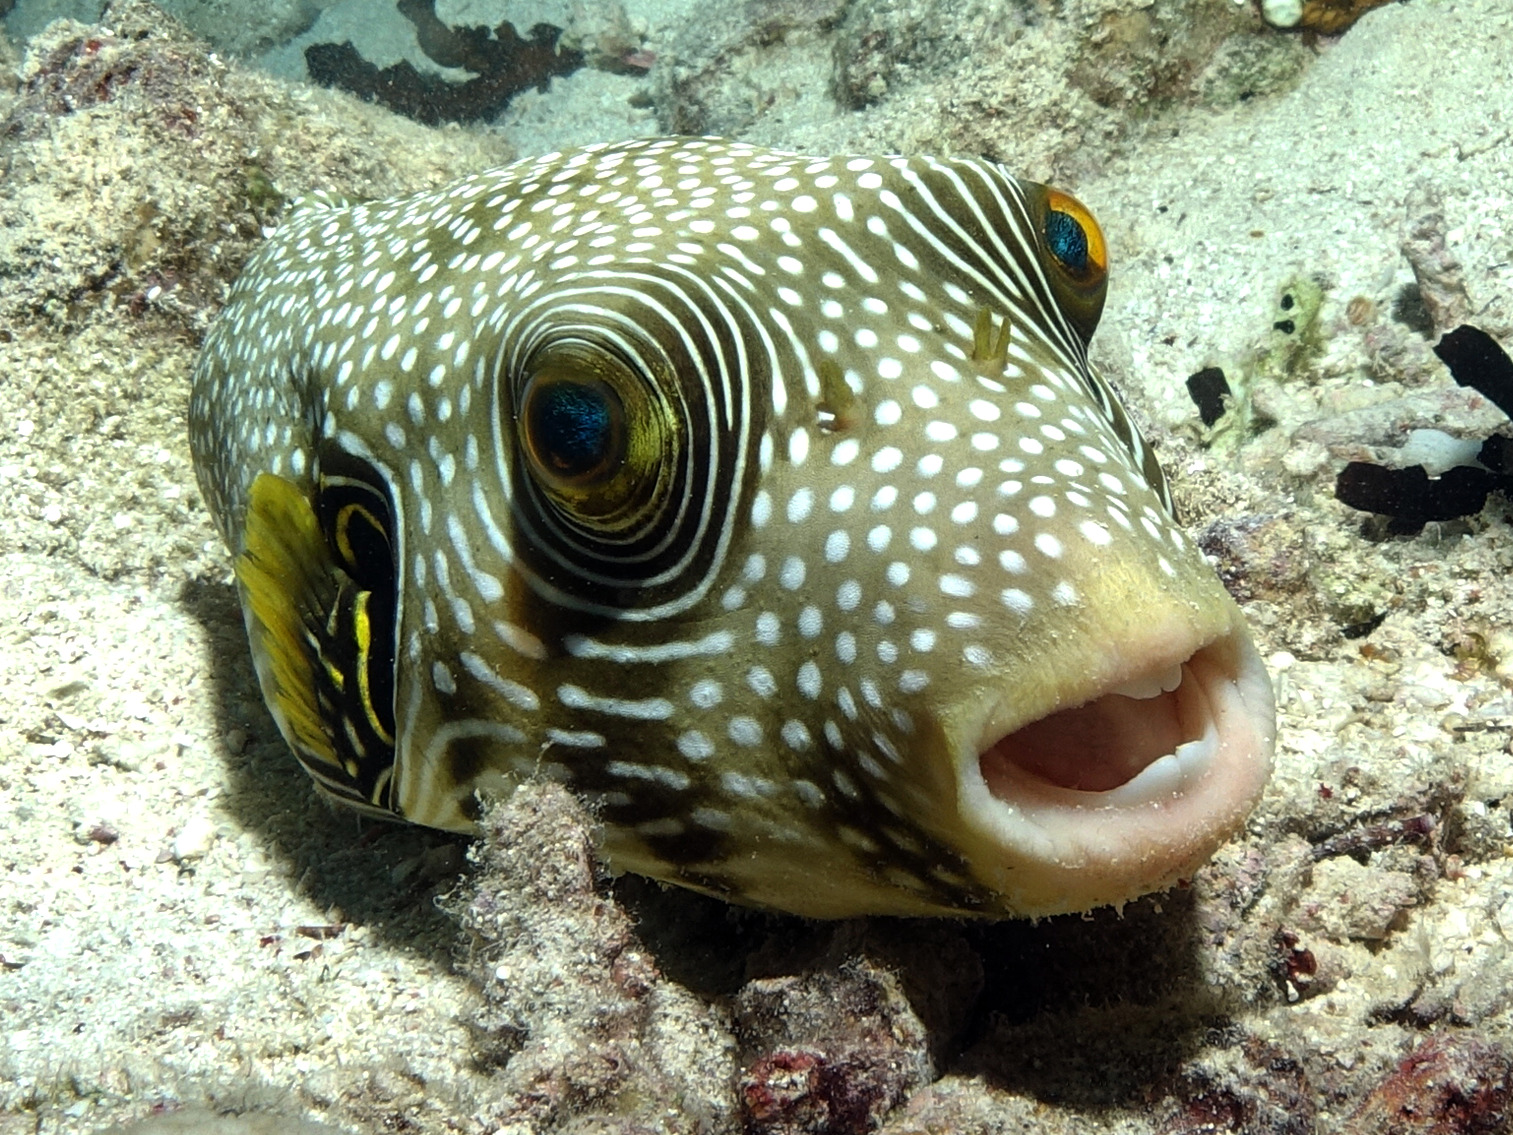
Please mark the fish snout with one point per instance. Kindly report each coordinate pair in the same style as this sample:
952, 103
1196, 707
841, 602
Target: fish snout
1122, 783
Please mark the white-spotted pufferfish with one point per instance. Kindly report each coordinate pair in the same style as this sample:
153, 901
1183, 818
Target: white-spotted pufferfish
768, 501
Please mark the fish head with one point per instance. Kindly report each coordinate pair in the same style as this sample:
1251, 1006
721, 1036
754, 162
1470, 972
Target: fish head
826, 525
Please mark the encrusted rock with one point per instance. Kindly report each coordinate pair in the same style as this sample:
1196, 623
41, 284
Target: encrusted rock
202, 158
1441, 279
1251, 1086
831, 1051
577, 1018
719, 76
1449, 1085
1347, 900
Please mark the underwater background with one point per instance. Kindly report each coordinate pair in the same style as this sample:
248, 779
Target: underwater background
1301, 200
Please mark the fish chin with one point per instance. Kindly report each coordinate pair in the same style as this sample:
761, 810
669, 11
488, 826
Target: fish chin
1127, 792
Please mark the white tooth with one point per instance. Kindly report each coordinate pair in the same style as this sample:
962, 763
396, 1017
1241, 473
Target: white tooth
1159, 780
1172, 774
1150, 685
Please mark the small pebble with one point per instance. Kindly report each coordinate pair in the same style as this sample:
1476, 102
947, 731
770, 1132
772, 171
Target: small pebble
1282, 13
194, 839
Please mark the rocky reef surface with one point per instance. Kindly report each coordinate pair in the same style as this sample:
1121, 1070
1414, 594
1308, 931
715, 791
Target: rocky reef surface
190, 940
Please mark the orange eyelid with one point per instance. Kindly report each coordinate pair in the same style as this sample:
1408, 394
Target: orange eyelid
1097, 251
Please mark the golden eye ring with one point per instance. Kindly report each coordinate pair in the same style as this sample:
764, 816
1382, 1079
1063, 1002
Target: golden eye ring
1073, 237
594, 435
1073, 253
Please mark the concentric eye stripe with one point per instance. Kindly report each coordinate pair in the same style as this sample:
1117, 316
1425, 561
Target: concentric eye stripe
716, 467
696, 326
768, 349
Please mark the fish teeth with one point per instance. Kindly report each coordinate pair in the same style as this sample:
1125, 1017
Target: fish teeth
1150, 685
1172, 775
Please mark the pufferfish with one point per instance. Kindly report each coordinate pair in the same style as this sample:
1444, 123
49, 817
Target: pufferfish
767, 501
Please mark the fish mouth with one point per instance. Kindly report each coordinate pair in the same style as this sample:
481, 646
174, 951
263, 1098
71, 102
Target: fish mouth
1131, 789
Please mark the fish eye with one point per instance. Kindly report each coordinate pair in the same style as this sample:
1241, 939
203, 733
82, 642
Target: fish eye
1073, 253
1073, 237
574, 429
1067, 240
593, 434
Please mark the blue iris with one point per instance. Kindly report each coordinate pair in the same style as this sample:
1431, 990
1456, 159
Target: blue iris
572, 426
1067, 240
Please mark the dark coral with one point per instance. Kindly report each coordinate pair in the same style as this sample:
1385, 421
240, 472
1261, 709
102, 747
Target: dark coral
1412, 498
504, 65
1208, 389
1476, 360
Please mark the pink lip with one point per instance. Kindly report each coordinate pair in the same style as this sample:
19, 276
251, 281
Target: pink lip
1123, 795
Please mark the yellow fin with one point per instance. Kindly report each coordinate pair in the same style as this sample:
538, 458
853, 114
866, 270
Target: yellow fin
314, 630
287, 585
990, 346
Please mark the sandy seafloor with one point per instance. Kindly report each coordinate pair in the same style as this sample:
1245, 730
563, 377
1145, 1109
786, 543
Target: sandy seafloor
182, 925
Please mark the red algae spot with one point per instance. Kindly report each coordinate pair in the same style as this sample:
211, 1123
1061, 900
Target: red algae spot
789, 1092
1449, 1085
